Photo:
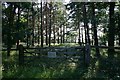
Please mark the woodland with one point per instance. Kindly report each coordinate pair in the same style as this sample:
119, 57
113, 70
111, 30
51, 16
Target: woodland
83, 39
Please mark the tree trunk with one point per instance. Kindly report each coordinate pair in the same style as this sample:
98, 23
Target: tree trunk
58, 35
95, 30
46, 20
119, 28
92, 40
41, 27
54, 34
111, 30
82, 37
54, 27
50, 26
38, 28
87, 38
18, 25
63, 34
33, 25
11, 21
79, 41
28, 27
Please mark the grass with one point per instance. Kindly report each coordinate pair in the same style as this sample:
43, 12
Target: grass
49, 68
38, 67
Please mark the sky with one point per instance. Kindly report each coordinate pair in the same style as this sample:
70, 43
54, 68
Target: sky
67, 1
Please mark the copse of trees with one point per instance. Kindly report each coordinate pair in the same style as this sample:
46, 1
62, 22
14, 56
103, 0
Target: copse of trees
98, 14
48, 22
32, 23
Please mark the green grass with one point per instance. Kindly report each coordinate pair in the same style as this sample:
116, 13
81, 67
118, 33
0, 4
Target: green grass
38, 67
43, 68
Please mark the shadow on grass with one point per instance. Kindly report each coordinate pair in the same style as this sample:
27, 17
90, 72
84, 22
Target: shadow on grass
61, 68
41, 68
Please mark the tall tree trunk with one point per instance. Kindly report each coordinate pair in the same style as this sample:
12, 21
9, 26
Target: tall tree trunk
95, 30
50, 25
87, 38
87, 41
63, 34
82, 37
33, 24
46, 20
84, 15
66, 34
58, 34
28, 27
78, 24
41, 27
79, 41
54, 34
38, 27
54, 27
18, 25
119, 29
11, 21
111, 30
9, 32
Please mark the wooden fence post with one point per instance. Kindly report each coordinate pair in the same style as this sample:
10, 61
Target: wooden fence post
21, 54
84, 53
87, 54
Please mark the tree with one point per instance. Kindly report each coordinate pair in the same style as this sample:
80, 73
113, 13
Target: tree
50, 24
38, 25
87, 37
14, 23
28, 36
41, 27
18, 23
11, 9
111, 31
95, 29
46, 20
33, 24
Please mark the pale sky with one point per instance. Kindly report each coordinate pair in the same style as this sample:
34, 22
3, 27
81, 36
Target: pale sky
67, 1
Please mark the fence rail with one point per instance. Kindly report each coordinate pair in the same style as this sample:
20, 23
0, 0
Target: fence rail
86, 49
79, 47
10, 49
107, 47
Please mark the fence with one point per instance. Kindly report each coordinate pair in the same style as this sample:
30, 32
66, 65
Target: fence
60, 51
52, 52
